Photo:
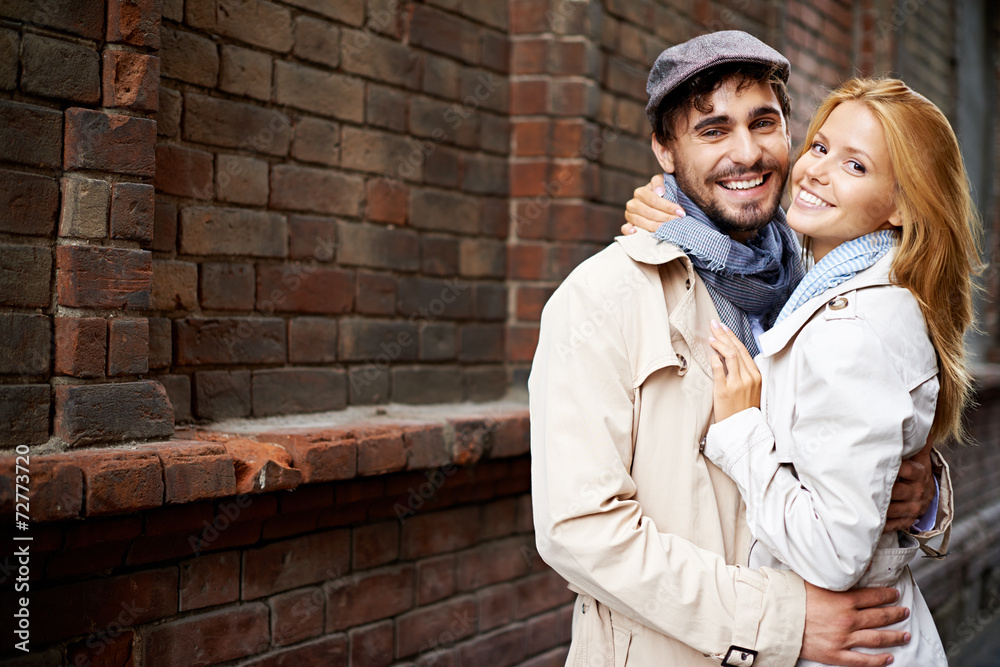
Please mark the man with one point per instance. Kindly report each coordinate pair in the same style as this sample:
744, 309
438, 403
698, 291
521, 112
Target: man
647, 531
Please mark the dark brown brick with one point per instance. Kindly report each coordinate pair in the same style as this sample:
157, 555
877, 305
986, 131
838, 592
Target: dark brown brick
178, 388
131, 80
491, 302
25, 275
245, 72
24, 409
426, 385
219, 122
257, 22
488, 383
109, 142
233, 231
101, 277
175, 285
371, 646
438, 341
296, 615
319, 92
79, 17
60, 69
376, 294
128, 346
375, 544
444, 33
386, 108
227, 286
503, 648
113, 648
29, 203
132, 212
242, 180
541, 592
316, 140
482, 258
378, 247
142, 411
329, 650
25, 344
312, 340
439, 255
312, 238
203, 639
85, 208
183, 171
317, 41
233, 340
369, 384
81, 344
380, 451
351, 12
304, 289
296, 562
160, 344
297, 390
381, 59
442, 77
189, 57
481, 342
320, 190
10, 47
438, 625
386, 342
222, 395
431, 533
31, 135
435, 579
362, 598
432, 299
444, 211
495, 606
168, 116
209, 580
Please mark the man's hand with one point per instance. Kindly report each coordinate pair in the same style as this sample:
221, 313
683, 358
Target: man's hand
838, 622
912, 493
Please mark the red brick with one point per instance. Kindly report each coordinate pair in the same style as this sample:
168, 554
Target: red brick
208, 638
322, 457
86, 607
440, 625
304, 289
387, 201
29, 203
502, 648
220, 122
195, 470
320, 92
297, 390
440, 658
491, 563
426, 534
443, 33
495, 606
142, 412
56, 490
317, 141
317, 41
296, 615
189, 57
361, 598
99, 531
261, 466
371, 646
297, 562
118, 481
511, 436
131, 80
325, 652
376, 294
128, 346
109, 142
375, 544
319, 190
76, 78
245, 72
183, 171
232, 231
531, 138
426, 447
548, 630
110, 648
541, 592
380, 451
179, 518
312, 238
30, 134
135, 22
257, 22
227, 286
435, 579
132, 212
529, 97
209, 580
242, 180
99, 277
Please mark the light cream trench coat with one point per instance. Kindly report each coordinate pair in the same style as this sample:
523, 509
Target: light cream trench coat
850, 388
649, 532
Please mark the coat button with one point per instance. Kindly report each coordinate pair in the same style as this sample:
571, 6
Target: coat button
682, 368
687, 283
838, 304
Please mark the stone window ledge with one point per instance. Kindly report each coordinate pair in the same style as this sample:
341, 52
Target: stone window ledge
263, 455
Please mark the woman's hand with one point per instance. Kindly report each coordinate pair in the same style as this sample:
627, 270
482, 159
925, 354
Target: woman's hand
735, 375
648, 209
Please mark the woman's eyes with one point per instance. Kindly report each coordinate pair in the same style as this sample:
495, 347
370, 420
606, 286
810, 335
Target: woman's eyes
854, 165
818, 147
857, 166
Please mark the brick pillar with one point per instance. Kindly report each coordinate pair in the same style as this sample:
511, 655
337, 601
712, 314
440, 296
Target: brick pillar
103, 269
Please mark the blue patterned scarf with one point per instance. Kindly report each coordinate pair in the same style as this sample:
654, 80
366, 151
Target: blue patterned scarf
745, 280
840, 264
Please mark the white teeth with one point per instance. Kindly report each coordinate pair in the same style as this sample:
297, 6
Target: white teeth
810, 198
743, 185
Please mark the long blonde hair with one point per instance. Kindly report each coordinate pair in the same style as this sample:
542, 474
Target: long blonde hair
938, 254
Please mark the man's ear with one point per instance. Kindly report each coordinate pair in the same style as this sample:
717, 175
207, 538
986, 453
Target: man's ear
664, 156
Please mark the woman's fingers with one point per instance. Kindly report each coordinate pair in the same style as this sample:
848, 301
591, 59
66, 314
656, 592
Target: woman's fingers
746, 361
728, 353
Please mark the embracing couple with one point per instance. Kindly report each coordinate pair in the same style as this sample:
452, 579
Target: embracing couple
731, 444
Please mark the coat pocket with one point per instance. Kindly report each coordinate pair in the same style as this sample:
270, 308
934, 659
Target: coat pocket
888, 564
621, 635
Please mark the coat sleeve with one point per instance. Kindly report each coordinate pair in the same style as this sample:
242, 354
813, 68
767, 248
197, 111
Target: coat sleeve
823, 515
591, 530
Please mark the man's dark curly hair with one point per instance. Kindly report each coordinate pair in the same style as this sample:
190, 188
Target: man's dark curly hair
694, 93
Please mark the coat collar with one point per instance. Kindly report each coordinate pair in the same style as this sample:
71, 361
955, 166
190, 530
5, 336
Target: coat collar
775, 340
646, 248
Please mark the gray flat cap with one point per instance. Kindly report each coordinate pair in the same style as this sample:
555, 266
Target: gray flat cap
679, 63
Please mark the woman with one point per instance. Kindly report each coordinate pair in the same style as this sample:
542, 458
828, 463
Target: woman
866, 360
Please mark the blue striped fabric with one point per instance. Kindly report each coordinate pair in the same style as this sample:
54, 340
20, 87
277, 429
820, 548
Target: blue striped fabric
840, 264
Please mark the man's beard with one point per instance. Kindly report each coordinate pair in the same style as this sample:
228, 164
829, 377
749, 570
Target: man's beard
751, 216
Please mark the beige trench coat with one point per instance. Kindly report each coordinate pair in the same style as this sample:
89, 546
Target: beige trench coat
626, 508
